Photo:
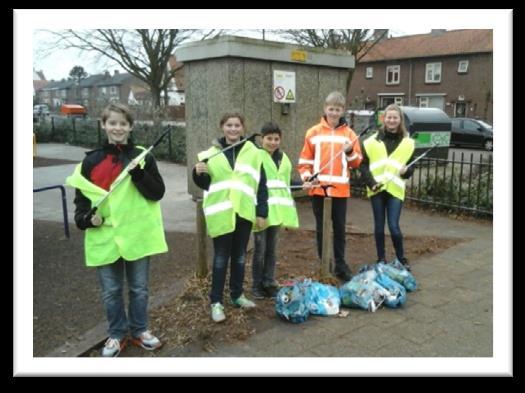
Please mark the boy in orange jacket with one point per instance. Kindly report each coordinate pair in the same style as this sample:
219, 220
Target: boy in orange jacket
330, 150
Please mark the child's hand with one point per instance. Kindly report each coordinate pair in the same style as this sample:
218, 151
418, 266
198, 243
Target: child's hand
133, 164
310, 184
376, 187
96, 220
201, 167
260, 222
348, 147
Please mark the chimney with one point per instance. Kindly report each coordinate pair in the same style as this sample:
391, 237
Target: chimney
116, 72
106, 74
437, 32
378, 33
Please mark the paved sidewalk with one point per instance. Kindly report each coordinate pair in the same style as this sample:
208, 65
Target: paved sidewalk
450, 315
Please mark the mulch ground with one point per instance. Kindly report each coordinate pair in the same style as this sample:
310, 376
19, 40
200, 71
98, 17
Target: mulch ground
66, 296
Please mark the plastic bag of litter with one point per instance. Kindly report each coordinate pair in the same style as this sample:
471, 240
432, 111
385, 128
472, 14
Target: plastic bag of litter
397, 272
397, 293
322, 299
290, 302
363, 291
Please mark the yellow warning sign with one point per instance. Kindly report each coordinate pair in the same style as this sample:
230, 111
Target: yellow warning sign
290, 96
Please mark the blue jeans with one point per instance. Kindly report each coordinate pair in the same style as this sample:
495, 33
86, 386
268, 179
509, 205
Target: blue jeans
231, 246
382, 203
264, 257
111, 279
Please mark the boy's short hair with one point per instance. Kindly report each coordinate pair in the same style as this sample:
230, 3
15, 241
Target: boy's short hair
270, 128
335, 98
118, 108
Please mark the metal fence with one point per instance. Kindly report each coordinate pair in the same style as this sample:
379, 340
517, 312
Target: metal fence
463, 184
88, 133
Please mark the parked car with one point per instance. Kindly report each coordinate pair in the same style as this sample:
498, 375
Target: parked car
471, 133
40, 110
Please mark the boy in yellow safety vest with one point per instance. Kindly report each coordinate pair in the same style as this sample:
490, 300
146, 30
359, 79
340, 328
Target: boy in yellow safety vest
281, 212
126, 229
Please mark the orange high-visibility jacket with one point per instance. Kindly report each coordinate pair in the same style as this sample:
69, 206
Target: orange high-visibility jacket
323, 144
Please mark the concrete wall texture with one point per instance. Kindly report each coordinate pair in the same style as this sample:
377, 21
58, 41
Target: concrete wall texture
236, 74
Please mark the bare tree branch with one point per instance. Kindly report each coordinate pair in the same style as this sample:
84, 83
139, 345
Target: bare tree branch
356, 41
144, 53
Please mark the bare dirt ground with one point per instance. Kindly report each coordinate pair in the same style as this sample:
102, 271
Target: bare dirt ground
66, 296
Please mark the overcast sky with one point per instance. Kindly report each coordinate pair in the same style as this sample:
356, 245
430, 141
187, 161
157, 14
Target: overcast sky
58, 65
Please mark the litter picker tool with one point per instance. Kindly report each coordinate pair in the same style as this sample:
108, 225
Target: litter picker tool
250, 138
125, 173
422, 155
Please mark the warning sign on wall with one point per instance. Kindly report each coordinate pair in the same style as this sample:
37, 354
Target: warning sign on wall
283, 86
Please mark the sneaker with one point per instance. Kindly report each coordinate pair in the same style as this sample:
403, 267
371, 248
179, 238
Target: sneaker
147, 341
404, 262
217, 312
258, 293
344, 273
271, 291
113, 347
242, 302
273, 284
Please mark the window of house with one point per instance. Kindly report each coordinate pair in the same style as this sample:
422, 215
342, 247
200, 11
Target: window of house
113, 90
463, 66
85, 92
103, 91
423, 102
369, 72
392, 75
63, 93
433, 73
387, 100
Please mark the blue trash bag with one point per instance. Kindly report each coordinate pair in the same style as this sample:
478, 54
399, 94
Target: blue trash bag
362, 291
397, 272
290, 303
397, 292
322, 299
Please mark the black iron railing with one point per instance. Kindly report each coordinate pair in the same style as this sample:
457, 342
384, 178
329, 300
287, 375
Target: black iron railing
463, 183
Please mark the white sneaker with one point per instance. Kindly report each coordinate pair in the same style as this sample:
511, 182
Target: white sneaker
243, 302
113, 347
217, 312
147, 341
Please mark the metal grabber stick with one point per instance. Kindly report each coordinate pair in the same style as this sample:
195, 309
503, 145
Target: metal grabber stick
250, 138
314, 176
125, 173
380, 185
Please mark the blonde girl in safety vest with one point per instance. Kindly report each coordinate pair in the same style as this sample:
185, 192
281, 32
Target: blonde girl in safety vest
126, 229
235, 199
386, 155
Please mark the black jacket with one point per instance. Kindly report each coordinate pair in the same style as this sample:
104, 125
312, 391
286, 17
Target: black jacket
203, 180
391, 142
148, 180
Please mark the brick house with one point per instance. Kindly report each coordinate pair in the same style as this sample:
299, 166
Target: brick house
450, 70
93, 92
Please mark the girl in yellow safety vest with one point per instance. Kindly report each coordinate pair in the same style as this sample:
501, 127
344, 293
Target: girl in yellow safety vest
386, 155
235, 199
